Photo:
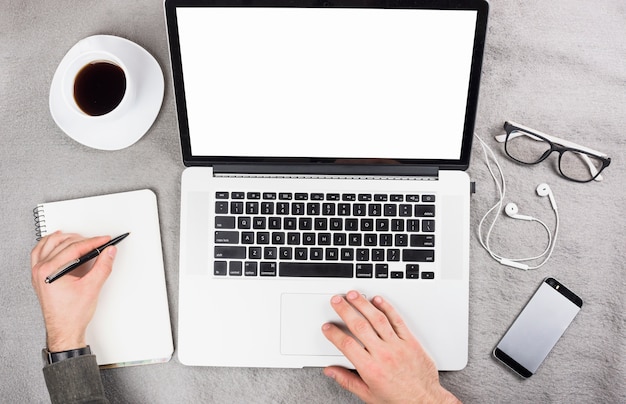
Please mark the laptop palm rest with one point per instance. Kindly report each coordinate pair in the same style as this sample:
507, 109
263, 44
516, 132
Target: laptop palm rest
301, 319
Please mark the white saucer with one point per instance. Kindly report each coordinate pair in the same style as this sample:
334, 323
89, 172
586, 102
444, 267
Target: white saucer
132, 118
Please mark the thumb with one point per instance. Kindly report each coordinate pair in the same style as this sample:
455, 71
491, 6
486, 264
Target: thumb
103, 266
349, 381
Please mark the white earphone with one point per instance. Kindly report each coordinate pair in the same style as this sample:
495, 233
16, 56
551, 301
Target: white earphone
512, 211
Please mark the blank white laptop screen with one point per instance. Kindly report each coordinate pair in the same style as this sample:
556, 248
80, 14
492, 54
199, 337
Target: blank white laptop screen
328, 83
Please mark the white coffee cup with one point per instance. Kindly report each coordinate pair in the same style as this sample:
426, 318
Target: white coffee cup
97, 105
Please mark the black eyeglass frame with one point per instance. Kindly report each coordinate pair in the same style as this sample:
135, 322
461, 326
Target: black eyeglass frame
511, 127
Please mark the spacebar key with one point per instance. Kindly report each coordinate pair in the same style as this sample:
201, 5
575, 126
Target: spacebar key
315, 270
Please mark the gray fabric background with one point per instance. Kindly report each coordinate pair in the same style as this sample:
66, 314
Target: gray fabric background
557, 66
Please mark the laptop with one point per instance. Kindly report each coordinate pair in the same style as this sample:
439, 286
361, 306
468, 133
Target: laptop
326, 145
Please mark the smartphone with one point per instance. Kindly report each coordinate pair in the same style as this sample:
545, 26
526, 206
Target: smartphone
538, 327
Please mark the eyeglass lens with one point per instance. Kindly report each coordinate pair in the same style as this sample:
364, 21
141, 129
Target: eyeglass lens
531, 149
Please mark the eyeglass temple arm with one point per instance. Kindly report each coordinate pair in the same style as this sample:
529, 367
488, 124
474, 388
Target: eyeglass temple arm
562, 142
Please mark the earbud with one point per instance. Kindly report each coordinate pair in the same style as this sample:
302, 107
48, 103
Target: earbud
544, 190
511, 210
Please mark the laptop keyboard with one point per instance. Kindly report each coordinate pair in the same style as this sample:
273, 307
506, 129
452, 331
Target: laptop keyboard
328, 235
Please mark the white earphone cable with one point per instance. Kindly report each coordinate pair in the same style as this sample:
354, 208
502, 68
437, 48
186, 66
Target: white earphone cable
501, 187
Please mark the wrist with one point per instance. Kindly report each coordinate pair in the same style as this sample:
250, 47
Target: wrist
59, 343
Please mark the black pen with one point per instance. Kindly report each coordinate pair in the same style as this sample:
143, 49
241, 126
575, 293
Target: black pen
87, 257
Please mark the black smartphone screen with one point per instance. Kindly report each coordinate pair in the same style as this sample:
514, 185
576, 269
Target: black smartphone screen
538, 327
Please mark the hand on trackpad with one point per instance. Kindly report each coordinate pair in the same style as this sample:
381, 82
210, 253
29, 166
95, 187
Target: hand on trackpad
301, 319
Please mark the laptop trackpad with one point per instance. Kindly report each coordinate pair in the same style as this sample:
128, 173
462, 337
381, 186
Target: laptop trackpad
301, 319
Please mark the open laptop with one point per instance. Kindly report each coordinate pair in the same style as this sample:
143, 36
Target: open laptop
326, 144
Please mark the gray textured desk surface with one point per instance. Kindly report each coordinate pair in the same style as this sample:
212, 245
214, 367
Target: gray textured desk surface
557, 66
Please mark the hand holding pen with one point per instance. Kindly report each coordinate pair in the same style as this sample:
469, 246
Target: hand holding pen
83, 259
68, 305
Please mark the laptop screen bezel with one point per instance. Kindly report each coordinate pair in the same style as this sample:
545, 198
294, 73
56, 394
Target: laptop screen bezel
461, 163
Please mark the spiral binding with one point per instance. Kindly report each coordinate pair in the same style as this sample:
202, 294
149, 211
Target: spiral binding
40, 222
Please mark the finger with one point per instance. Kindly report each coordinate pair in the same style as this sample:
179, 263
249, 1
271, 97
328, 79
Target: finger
44, 246
102, 267
377, 318
396, 321
348, 346
354, 320
349, 381
69, 238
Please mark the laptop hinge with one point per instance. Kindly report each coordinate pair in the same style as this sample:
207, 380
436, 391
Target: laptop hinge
404, 170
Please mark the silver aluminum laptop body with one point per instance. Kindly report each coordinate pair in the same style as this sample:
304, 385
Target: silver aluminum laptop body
336, 100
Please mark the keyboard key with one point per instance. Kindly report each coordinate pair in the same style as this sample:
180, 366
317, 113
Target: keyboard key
301, 253
285, 196
413, 225
236, 208
244, 222
269, 195
282, 208
381, 270
250, 268
352, 224
270, 253
347, 254
221, 207
405, 210
412, 271
263, 237
374, 209
390, 209
221, 195
316, 254
254, 253
428, 226
428, 275
359, 209
316, 270
424, 210
364, 271
267, 269
393, 254
238, 195
247, 237
285, 253
297, 208
227, 237
235, 268
328, 209
428, 198
230, 252
348, 197
259, 223
252, 208
254, 195
219, 268
397, 275
418, 240
409, 255
224, 222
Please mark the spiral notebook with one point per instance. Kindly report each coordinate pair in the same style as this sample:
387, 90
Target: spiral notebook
131, 325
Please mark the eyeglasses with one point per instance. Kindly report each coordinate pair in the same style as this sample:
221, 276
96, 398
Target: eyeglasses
576, 163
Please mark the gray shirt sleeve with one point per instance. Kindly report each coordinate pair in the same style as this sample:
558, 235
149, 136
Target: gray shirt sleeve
75, 380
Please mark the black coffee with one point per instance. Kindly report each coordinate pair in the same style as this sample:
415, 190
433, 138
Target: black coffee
99, 87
